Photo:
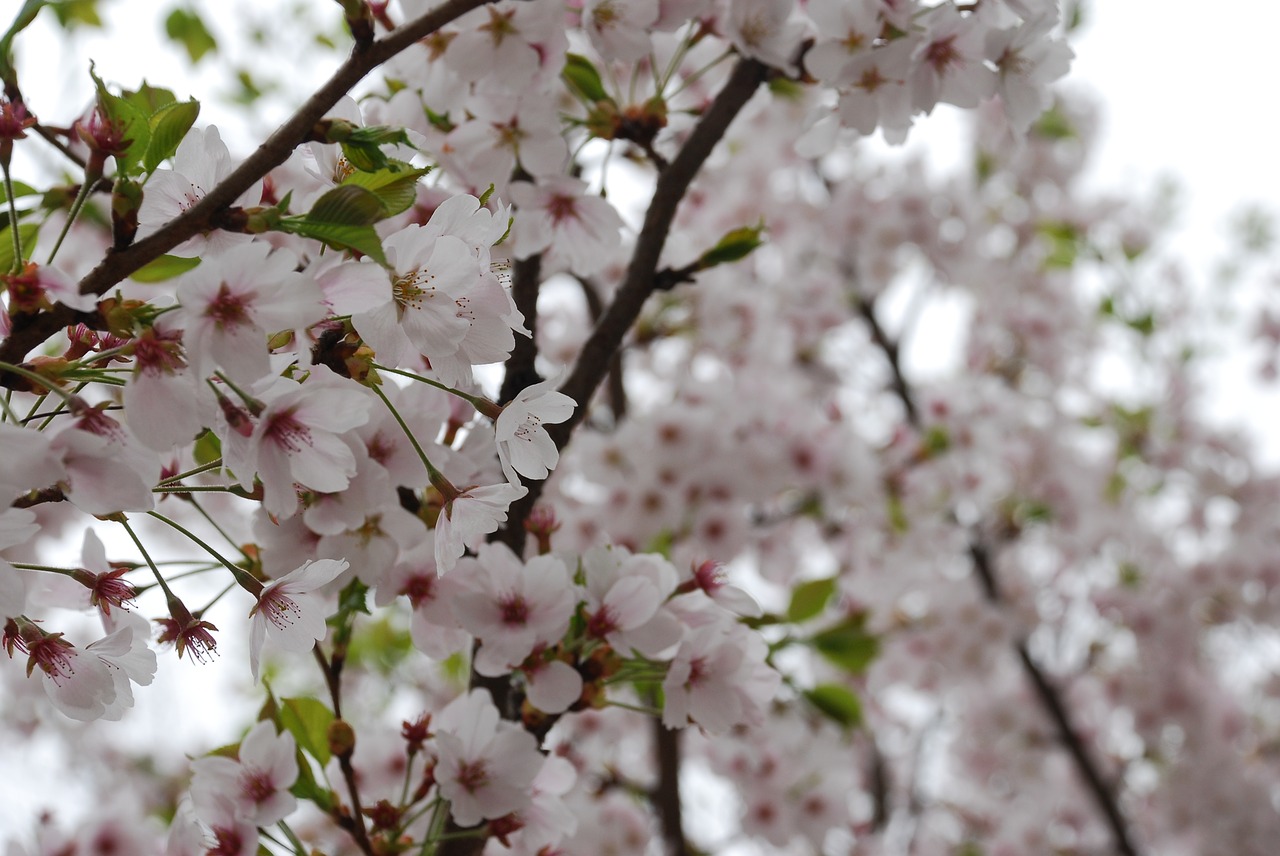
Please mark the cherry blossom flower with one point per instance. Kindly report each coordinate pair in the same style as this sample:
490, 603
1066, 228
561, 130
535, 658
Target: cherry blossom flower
511, 606
234, 300
578, 231
718, 679
477, 510
162, 403
201, 161
617, 28
299, 438
524, 446
107, 468
485, 766
257, 783
290, 611
625, 594
1027, 63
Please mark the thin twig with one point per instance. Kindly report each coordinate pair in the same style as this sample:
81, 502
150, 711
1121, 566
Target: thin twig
984, 571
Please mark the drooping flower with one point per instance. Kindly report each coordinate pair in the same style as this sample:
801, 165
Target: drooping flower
524, 446
477, 510
291, 611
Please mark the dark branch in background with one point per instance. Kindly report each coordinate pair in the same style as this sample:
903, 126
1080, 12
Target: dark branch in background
606, 338
117, 265
666, 794
526, 280
599, 353
616, 390
1049, 695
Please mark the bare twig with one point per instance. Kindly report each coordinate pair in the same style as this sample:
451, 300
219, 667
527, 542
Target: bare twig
1046, 692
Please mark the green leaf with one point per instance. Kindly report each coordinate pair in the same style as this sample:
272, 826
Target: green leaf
363, 239
163, 268
809, 599
308, 721
208, 448
19, 190
168, 126
132, 121
583, 79
838, 703
72, 13
848, 645
734, 246
148, 98
353, 599
25, 16
348, 205
187, 28
396, 186
307, 788
27, 233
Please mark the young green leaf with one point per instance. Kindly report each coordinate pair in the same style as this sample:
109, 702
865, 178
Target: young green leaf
163, 268
809, 599
27, 233
838, 703
308, 721
848, 645
396, 186
168, 126
583, 79
187, 29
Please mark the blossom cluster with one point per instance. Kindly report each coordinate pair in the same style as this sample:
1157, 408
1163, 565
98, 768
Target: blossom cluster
292, 422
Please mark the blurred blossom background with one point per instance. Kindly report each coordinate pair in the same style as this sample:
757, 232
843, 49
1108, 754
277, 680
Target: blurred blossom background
1182, 116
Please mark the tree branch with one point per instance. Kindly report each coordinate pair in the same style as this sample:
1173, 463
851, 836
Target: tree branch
1048, 694
666, 794
606, 338
117, 265
526, 281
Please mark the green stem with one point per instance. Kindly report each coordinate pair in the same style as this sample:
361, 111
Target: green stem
168, 593
26, 566
243, 577
203, 468
13, 219
85, 189
298, 847
647, 711
36, 379
479, 402
436, 475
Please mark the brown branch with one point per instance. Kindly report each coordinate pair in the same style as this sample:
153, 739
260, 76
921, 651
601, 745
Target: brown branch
606, 338
617, 389
526, 280
353, 823
1048, 694
118, 264
666, 794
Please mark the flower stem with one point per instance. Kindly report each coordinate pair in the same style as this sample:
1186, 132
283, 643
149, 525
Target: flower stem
13, 219
243, 577
437, 477
85, 189
482, 405
164, 586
